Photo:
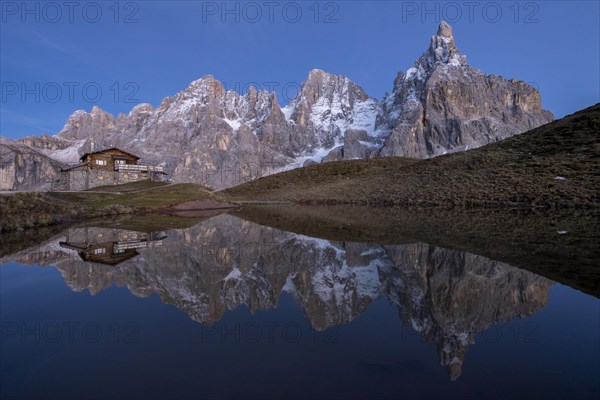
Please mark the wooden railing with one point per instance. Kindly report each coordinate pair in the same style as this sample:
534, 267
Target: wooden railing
122, 246
138, 168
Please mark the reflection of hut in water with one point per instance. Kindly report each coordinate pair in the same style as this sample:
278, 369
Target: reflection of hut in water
109, 245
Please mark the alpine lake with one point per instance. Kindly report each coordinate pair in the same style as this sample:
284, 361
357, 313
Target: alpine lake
304, 302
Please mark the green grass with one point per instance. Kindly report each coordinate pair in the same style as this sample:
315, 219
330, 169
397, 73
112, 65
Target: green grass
151, 198
128, 187
140, 186
26, 210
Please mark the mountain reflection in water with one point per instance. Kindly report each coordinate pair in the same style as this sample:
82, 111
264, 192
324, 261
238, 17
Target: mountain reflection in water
447, 296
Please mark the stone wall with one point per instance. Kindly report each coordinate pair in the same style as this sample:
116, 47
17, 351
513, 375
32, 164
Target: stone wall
81, 179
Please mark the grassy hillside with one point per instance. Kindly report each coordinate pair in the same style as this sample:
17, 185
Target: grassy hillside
555, 165
138, 196
26, 210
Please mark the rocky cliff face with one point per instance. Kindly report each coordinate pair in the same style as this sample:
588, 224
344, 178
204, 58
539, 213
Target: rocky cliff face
447, 296
221, 138
24, 167
442, 105
327, 106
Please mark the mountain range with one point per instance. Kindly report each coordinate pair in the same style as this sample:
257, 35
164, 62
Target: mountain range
220, 138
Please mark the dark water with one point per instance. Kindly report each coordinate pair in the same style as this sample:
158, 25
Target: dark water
233, 309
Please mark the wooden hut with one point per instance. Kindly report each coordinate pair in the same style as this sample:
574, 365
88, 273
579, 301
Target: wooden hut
110, 166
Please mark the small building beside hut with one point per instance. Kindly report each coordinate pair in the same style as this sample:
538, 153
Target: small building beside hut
111, 166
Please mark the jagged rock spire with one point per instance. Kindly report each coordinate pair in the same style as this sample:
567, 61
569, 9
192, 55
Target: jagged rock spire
444, 30
443, 48
416, 114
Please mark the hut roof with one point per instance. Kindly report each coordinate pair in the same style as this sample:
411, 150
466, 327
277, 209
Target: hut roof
107, 149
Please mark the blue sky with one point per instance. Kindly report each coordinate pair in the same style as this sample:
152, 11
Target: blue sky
56, 59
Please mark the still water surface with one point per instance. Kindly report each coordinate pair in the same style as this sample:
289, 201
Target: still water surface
232, 309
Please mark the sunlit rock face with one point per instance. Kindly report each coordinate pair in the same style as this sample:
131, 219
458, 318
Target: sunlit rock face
220, 138
447, 296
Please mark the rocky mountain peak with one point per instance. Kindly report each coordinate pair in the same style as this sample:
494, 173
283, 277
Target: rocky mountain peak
275, 107
82, 124
96, 110
442, 50
442, 104
142, 108
445, 30
206, 79
317, 74
252, 90
205, 88
328, 102
326, 83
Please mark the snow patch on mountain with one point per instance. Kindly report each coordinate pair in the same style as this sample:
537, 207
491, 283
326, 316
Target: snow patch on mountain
364, 116
235, 274
287, 112
316, 156
234, 124
68, 155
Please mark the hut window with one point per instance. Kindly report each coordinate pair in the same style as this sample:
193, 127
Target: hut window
100, 251
101, 162
120, 162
